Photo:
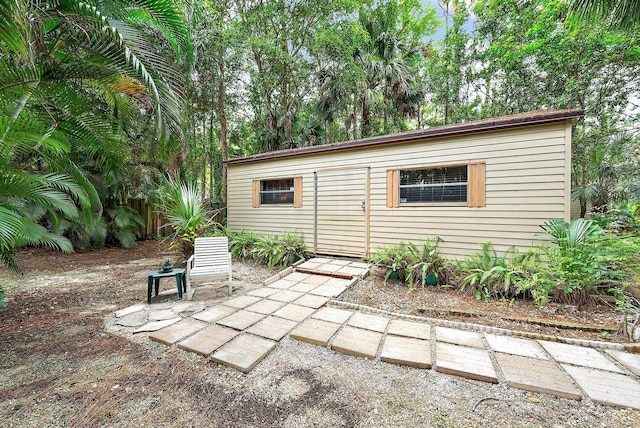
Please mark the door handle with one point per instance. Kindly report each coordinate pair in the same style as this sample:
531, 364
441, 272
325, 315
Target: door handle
363, 204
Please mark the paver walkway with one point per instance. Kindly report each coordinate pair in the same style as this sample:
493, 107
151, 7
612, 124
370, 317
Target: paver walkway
241, 331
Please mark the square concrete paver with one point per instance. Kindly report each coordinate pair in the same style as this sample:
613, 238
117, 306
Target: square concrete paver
516, 346
348, 270
410, 329
311, 301
178, 331
579, 356
241, 319
459, 337
315, 331
283, 284
329, 267
286, 296
605, 387
241, 302
303, 287
630, 361
215, 313
358, 342
265, 306
263, 292
338, 316
273, 328
406, 351
537, 375
156, 325
244, 352
338, 282
327, 291
369, 322
208, 339
465, 361
294, 312
317, 279
298, 276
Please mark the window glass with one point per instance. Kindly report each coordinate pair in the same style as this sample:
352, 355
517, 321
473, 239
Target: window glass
273, 192
445, 184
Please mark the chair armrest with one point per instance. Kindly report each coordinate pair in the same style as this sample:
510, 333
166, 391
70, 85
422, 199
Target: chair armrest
190, 263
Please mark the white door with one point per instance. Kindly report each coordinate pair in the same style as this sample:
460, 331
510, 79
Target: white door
342, 211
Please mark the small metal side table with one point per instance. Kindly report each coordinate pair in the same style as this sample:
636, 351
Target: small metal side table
154, 278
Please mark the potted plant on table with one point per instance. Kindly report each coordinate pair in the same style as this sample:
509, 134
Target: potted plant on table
167, 265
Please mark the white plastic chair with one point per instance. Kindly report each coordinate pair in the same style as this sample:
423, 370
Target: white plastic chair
210, 260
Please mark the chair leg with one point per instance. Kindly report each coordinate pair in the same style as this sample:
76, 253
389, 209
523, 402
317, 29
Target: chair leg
230, 286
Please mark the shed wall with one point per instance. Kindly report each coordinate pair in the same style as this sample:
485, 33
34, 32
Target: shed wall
527, 183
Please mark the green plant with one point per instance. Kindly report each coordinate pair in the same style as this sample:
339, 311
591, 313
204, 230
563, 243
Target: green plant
488, 274
167, 264
395, 260
241, 245
426, 264
187, 213
123, 225
274, 251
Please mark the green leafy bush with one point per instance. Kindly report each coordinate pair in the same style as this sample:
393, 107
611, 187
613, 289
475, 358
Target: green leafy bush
275, 251
241, 244
489, 275
410, 263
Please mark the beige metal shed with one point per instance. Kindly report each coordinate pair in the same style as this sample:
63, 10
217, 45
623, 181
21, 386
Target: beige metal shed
492, 180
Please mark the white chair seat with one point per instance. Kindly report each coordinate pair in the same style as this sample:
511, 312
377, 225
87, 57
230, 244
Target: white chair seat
211, 260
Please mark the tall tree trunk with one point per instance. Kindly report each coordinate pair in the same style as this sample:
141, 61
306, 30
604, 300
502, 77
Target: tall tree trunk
203, 182
211, 159
223, 129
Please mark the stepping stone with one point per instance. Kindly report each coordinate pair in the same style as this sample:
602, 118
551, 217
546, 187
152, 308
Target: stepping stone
242, 302
297, 276
340, 262
163, 314
317, 279
309, 264
579, 356
178, 331
358, 342
537, 375
286, 296
283, 284
605, 387
369, 322
303, 287
359, 265
208, 339
329, 268
265, 306
333, 315
156, 325
459, 337
516, 346
244, 352
465, 361
192, 307
338, 282
263, 292
273, 328
630, 361
418, 330
294, 312
135, 319
215, 313
315, 331
348, 270
311, 301
406, 351
131, 309
328, 291
321, 260
241, 319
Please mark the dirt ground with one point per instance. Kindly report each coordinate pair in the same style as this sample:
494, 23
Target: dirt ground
60, 367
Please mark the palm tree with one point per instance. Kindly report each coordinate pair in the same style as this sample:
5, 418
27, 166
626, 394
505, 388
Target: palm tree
622, 14
71, 73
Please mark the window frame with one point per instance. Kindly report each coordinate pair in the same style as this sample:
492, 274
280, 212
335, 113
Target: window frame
476, 171
297, 192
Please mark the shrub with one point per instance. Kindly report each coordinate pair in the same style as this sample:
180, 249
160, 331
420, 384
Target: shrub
274, 251
486, 274
410, 263
241, 244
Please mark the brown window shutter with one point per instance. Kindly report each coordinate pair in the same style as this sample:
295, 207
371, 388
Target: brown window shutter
393, 183
256, 194
476, 184
297, 192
